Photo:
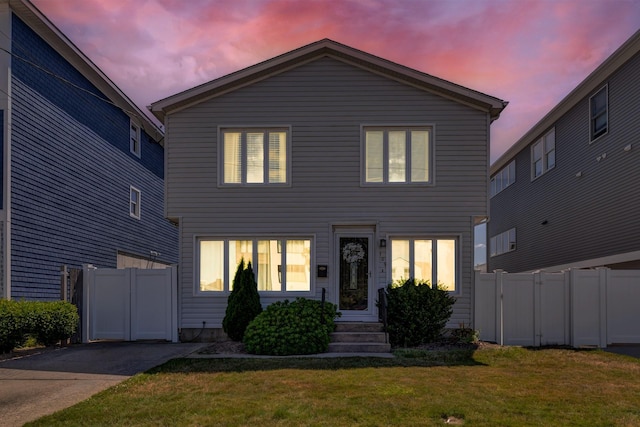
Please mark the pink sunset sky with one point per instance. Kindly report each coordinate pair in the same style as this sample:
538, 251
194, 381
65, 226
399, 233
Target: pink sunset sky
528, 52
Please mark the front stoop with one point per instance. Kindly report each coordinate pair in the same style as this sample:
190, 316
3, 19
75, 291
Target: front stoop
359, 337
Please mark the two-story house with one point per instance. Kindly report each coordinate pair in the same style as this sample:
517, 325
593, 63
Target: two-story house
565, 194
82, 167
327, 168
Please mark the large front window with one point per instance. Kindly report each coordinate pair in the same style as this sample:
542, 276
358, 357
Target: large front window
280, 265
254, 156
432, 260
397, 155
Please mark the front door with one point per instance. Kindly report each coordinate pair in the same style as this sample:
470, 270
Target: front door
356, 299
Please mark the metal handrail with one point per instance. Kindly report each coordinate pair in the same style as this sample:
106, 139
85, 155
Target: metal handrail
382, 311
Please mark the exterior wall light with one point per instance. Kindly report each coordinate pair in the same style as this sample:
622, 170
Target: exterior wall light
383, 243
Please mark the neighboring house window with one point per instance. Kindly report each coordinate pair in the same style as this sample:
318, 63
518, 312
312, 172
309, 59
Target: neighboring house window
599, 113
397, 155
433, 260
543, 154
504, 178
134, 202
134, 139
280, 265
254, 156
503, 242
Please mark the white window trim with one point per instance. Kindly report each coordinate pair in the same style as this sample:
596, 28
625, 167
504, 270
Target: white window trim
249, 128
434, 256
135, 213
513, 245
545, 166
387, 127
593, 138
510, 179
138, 141
227, 286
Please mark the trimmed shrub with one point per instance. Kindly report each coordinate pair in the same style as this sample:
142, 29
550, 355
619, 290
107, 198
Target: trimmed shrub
299, 327
243, 304
13, 330
53, 321
416, 313
48, 322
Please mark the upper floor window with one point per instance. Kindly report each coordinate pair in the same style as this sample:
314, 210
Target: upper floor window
503, 242
397, 155
432, 260
254, 156
504, 178
134, 202
279, 264
599, 107
543, 154
134, 139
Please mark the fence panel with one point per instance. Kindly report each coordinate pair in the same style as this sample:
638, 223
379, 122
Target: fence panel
623, 314
151, 304
554, 309
518, 305
110, 304
486, 316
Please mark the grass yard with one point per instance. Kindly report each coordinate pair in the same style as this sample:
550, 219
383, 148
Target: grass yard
497, 386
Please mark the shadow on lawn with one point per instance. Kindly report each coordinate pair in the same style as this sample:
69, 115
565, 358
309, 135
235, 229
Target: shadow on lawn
404, 358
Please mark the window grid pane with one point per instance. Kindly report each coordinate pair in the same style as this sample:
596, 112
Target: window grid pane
298, 273
423, 260
255, 157
400, 260
397, 156
211, 265
269, 265
374, 156
420, 156
232, 158
446, 254
238, 250
277, 157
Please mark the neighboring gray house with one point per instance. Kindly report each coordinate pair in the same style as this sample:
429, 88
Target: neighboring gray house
567, 194
328, 168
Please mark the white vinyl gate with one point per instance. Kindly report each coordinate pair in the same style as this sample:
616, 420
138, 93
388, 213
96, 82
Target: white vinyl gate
575, 307
130, 304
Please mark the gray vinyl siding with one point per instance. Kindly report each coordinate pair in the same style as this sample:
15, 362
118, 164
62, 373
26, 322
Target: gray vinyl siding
325, 103
591, 216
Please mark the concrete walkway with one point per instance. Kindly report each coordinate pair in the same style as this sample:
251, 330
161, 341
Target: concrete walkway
54, 379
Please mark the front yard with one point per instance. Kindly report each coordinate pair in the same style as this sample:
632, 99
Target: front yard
491, 386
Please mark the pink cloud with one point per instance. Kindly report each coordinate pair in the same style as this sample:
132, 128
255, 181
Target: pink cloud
529, 52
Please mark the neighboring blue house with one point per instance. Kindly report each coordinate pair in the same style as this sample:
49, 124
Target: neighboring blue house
82, 166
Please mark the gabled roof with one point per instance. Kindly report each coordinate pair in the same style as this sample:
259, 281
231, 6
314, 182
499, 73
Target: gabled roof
39, 23
327, 48
596, 79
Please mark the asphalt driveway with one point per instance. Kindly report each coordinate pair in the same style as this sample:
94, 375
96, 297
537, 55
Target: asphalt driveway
54, 379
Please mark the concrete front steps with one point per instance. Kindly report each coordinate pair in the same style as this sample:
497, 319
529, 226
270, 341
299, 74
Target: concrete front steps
359, 337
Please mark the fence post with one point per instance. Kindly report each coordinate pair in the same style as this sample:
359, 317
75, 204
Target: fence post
602, 282
537, 308
64, 278
499, 312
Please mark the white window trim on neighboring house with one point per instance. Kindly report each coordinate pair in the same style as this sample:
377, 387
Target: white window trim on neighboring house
503, 242
411, 167
135, 203
236, 168
543, 152
504, 178
223, 256
432, 260
594, 133
134, 139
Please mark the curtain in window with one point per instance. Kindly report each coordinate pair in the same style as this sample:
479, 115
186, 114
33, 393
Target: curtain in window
419, 156
277, 157
374, 156
232, 158
212, 265
269, 265
397, 156
255, 157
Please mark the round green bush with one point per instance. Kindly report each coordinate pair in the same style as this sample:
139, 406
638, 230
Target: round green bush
13, 329
53, 321
416, 313
284, 328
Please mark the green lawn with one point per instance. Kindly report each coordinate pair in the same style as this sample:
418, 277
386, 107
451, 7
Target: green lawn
499, 386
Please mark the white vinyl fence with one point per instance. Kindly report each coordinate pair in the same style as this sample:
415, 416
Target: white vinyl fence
575, 307
130, 304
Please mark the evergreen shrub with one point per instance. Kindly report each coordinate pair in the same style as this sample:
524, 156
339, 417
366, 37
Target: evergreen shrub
299, 327
243, 304
416, 312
